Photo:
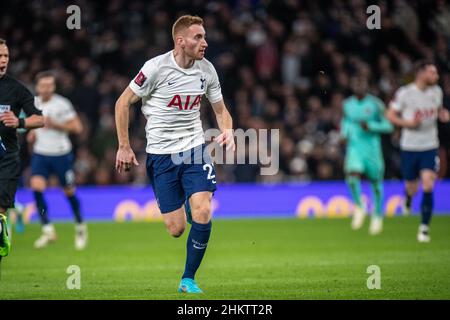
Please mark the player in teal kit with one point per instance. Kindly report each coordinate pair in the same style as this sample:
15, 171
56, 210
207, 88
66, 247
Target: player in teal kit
362, 124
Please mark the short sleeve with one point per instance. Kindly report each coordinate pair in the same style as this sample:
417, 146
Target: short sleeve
440, 97
381, 107
143, 83
68, 111
26, 102
213, 89
398, 103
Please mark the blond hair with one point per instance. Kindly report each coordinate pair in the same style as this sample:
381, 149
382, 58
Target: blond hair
185, 22
2, 41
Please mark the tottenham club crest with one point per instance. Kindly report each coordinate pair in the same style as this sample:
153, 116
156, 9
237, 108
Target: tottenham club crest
203, 83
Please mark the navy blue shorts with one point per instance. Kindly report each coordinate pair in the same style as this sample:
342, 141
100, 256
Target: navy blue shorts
176, 177
415, 161
61, 166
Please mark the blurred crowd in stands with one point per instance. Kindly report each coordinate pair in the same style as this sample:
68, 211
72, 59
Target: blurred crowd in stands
283, 64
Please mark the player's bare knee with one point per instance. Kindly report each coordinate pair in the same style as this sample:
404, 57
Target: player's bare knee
38, 183
175, 227
176, 230
202, 213
428, 179
202, 219
69, 191
428, 185
411, 188
176, 233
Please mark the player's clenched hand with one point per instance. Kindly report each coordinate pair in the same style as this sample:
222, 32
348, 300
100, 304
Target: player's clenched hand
48, 123
9, 119
444, 115
125, 158
413, 124
226, 138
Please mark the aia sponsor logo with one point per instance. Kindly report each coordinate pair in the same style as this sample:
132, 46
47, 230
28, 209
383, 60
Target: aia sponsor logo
189, 104
426, 114
140, 79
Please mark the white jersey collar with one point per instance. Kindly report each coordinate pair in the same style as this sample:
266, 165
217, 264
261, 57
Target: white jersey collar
188, 70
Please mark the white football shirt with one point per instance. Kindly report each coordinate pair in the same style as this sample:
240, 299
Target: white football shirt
424, 104
171, 99
51, 142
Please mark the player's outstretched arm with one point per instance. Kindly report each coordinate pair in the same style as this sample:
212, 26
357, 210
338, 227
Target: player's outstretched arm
72, 126
225, 123
34, 121
125, 156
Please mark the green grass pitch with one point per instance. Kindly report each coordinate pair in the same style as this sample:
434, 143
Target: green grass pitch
246, 259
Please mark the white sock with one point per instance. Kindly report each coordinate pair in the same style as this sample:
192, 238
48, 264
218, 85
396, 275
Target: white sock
80, 227
48, 228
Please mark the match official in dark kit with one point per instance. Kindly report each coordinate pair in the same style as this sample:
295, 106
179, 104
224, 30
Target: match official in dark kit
14, 98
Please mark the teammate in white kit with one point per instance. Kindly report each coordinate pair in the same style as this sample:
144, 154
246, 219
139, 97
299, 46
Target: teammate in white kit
415, 108
52, 154
171, 87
